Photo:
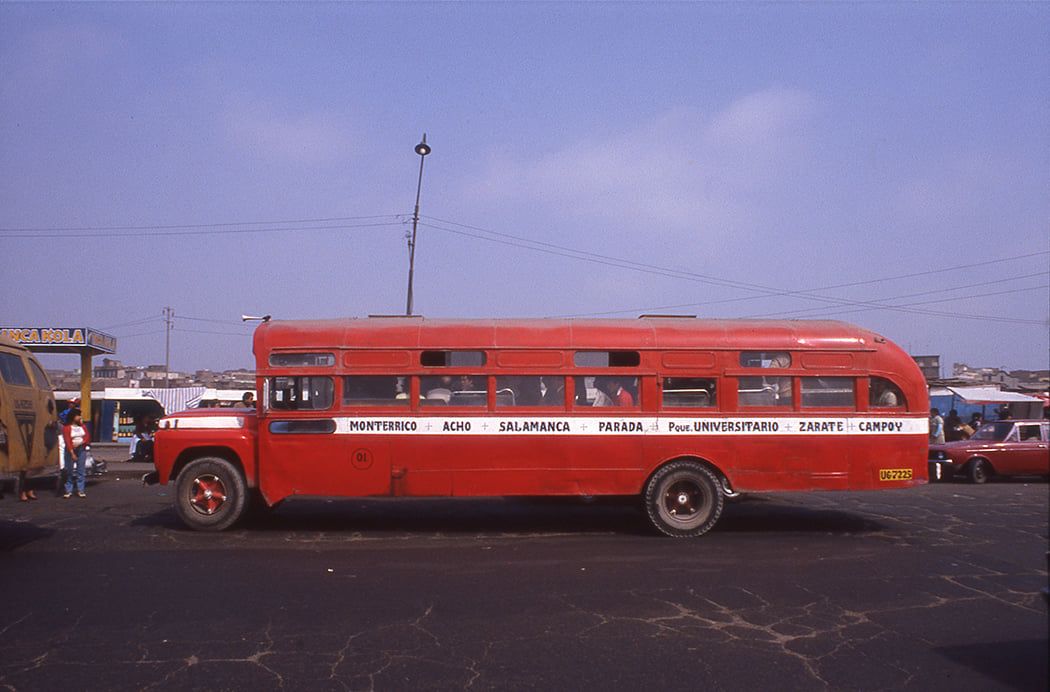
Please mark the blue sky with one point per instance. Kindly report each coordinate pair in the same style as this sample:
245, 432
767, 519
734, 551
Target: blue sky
588, 159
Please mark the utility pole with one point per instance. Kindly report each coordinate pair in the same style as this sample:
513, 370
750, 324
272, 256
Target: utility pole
169, 313
422, 149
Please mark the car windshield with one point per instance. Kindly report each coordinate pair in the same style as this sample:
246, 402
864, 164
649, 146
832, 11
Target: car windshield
994, 431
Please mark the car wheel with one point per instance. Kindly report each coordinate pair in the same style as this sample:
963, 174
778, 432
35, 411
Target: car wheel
210, 494
684, 499
979, 471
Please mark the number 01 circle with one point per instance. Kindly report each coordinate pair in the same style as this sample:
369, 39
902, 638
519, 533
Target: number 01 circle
361, 458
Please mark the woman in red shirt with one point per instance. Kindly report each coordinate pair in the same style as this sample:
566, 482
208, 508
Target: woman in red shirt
77, 439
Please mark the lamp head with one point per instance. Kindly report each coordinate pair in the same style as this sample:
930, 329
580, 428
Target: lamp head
423, 148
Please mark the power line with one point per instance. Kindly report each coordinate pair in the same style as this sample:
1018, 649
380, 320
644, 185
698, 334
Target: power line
205, 331
551, 248
862, 305
879, 302
206, 319
133, 322
129, 336
226, 231
731, 281
738, 299
198, 225
938, 313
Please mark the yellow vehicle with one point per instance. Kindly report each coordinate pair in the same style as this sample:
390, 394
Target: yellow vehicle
28, 420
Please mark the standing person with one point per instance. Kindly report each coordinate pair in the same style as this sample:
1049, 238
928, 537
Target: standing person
24, 493
77, 439
953, 427
936, 427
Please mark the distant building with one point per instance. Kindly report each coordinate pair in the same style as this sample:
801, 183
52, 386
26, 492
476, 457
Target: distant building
962, 371
110, 370
930, 366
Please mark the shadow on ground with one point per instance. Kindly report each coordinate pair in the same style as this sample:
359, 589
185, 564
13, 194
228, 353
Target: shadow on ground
623, 516
16, 534
1021, 665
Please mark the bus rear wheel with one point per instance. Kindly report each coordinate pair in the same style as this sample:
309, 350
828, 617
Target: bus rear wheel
210, 494
684, 499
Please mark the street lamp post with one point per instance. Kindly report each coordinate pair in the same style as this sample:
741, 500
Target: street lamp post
422, 149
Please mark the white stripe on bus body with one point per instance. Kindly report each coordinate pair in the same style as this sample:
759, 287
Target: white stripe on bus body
565, 425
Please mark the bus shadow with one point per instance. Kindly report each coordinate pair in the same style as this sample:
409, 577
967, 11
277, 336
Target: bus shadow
17, 534
549, 515
457, 517
1020, 665
761, 515
423, 517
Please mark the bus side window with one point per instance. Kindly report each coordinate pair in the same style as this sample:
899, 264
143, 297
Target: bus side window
301, 393
454, 390
765, 359
13, 371
688, 392
530, 390
883, 393
764, 391
834, 392
605, 390
375, 390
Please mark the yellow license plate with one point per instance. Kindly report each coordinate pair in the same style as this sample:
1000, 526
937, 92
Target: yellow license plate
895, 474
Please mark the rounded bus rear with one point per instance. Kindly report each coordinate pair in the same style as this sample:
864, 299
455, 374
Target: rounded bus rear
28, 419
678, 412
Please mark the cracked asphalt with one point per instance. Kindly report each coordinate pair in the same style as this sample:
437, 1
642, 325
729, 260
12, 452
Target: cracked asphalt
932, 588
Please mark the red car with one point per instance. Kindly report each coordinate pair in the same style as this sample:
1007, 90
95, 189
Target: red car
1003, 448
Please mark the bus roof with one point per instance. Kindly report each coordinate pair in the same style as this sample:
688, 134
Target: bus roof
637, 334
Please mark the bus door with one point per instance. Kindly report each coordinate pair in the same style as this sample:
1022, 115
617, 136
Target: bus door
304, 445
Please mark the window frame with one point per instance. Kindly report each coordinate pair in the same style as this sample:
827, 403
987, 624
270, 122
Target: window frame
715, 404
792, 405
852, 406
271, 392
395, 404
542, 407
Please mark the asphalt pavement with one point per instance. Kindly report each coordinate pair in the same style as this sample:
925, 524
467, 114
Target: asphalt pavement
930, 588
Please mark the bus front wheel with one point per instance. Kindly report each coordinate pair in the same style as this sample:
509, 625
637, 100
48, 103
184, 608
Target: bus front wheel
684, 499
210, 494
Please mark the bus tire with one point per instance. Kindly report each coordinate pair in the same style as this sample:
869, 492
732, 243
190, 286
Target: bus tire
979, 471
210, 494
684, 499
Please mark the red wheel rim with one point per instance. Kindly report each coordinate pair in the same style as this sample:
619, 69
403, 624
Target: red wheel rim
207, 494
683, 500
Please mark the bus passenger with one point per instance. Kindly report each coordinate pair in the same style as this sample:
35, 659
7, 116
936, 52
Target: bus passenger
601, 398
621, 396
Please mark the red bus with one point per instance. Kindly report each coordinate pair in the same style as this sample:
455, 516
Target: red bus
677, 412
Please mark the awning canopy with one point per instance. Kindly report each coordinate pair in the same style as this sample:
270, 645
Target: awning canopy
991, 395
177, 398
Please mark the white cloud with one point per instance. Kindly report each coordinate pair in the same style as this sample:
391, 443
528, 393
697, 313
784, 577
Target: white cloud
305, 138
679, 171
